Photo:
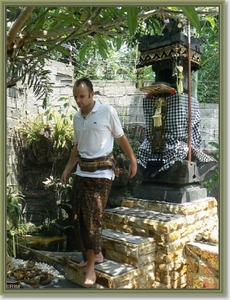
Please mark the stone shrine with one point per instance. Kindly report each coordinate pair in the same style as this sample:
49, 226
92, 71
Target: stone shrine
164, 166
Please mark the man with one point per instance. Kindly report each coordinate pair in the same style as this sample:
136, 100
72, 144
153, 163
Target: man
95, 127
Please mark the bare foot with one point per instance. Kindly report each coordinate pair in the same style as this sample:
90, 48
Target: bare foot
98, 260
82, 264
90, 278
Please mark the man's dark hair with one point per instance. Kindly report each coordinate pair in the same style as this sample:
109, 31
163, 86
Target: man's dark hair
86, 81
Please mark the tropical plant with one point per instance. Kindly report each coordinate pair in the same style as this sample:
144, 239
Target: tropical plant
58, 123
13, 209
61, 129
63, 202
62, 190
30, 129
35, 34
14, 217
213, 182
208, 75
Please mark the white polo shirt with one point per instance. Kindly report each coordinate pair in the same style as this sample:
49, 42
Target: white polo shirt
95, 135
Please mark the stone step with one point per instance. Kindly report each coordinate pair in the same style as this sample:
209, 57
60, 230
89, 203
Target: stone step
129, 262
112, 275
127, 248
142, 222
187, 208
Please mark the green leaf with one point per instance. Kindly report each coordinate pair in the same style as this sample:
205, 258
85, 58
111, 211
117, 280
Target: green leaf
69, 19
102, 46
51, 116
212, 21
102, 51
101, 41
82, 52
132, 19
119, 42
63, 99
191, 14
63, 51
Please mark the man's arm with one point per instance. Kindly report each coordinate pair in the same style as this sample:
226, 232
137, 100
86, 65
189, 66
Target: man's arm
73, 159
126, 147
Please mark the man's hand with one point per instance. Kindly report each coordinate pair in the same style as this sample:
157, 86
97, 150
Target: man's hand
65, 177
132, 169
126, 147
73, 159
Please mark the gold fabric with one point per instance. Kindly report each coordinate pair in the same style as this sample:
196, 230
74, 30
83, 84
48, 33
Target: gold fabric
180, 78
158, 124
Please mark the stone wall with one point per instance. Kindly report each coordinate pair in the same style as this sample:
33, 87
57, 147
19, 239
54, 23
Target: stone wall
202, 266
209, 128
123, 95
22, 105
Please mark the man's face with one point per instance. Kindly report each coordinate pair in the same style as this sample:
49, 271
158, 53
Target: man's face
82, 96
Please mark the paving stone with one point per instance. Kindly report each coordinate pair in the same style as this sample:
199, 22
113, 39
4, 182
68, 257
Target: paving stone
128, 248
110, 274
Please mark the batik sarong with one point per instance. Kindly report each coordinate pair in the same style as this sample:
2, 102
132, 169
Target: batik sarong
89, 199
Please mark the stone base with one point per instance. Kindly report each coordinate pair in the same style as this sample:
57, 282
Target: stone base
170, 193
182, 172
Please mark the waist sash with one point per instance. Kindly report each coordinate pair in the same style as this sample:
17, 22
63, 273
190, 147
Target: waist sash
100, 163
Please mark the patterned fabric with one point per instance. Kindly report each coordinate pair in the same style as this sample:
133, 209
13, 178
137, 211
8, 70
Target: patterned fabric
176, 132
89, 198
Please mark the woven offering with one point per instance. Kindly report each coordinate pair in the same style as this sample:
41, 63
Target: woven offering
158, 88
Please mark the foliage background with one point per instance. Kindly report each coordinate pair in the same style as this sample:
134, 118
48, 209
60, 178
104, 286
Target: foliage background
100, 42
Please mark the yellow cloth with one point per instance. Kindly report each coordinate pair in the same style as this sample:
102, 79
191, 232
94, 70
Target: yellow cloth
157, 121
180, 77
157, 117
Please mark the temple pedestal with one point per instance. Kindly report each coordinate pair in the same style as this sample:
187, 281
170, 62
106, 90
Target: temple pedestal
182, 172
179, 184
170, 192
